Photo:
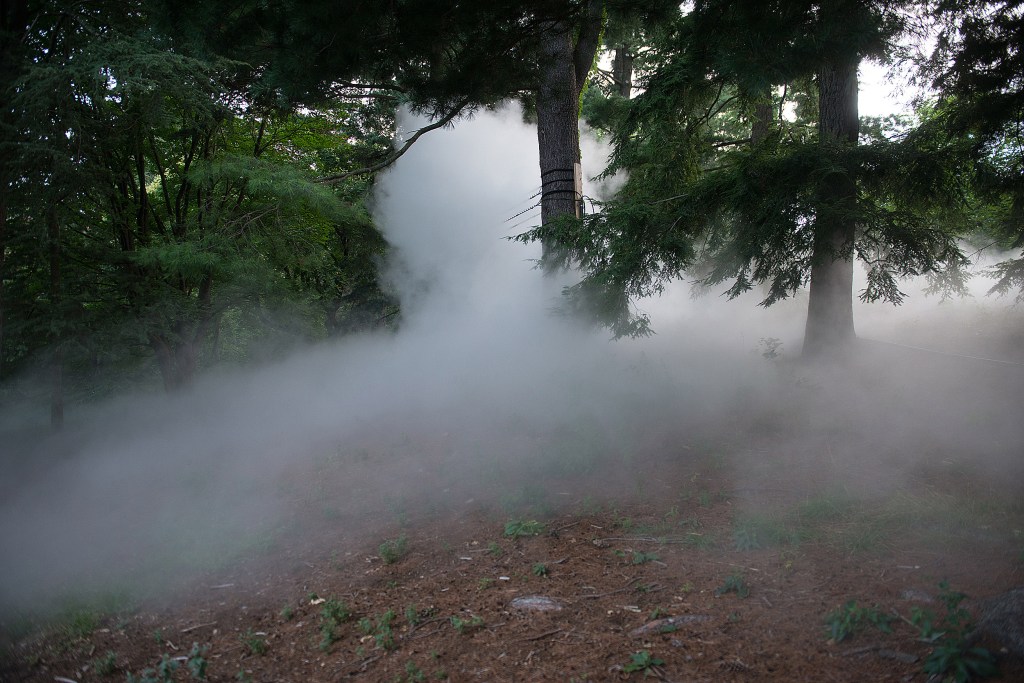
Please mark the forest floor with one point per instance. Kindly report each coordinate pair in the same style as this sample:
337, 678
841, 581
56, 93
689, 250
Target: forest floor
741, 555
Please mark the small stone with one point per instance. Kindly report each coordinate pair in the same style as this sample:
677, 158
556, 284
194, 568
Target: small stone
536, 603
914, 595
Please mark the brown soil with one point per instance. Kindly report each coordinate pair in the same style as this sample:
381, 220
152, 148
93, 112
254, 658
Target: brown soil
643, 569
719, 555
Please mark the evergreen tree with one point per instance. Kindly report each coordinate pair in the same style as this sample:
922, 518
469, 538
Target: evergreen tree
978, 70
715, 193
149, 204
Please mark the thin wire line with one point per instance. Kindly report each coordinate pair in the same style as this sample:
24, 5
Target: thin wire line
947, 353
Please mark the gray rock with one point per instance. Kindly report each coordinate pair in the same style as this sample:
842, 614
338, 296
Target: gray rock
536, 603
1002, 619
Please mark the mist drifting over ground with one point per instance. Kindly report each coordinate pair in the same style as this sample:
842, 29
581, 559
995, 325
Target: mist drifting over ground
482, 364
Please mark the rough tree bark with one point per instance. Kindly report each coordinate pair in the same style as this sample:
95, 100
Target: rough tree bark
557, 132
830, 307
565, 62
763, 119
622, 71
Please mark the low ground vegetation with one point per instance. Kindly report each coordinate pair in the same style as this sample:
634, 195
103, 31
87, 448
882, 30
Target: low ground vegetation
698, 578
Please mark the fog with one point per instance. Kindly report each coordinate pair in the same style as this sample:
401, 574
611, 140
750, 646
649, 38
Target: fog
142, 486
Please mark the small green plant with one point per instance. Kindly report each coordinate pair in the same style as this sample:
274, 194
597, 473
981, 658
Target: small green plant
952, 658
485, 583
464, 626
518, 527
734, 583
163, 672
79, 623
849, 619
243, 676
413, 674
540, 569
770, 346
494, 550
624, 523
255, 642
644, 558
642, 661
392, 551
105, 665
158, 636
383, 635
287, 612
753, 532
333, 613
658, 613
196, 662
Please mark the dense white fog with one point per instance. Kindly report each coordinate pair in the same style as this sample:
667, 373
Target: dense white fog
481, 359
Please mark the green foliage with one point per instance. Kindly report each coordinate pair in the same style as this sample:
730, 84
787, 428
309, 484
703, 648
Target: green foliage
106, 664
637, 557
196, 662
393, 550
333, 613
752, 532
706, 201
953, 657
256, 643
165, 669
849, 619
642, 661
381, 629
539, 569
464, 626
734, 583
182, 212
413, 674
515, 528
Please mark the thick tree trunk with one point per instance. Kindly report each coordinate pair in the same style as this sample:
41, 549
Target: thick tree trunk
622, 71
557, 126
830, 308
177, 360
764, 118
57, 355
3, 250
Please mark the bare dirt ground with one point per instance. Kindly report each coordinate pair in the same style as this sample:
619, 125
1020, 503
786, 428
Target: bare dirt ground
691, 557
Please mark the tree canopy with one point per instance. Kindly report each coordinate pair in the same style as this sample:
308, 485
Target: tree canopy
184, 183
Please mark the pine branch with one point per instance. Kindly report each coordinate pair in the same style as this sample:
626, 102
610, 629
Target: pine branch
394, 156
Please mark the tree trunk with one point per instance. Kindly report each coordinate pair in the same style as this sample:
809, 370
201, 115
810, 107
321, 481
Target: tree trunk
557, 126
622, 71
3, 250
57, 356
830, 308
764, 118
177, 360
565, 64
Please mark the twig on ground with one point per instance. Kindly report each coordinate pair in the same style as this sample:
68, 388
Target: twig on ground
198, 626
542, 635
628, 585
